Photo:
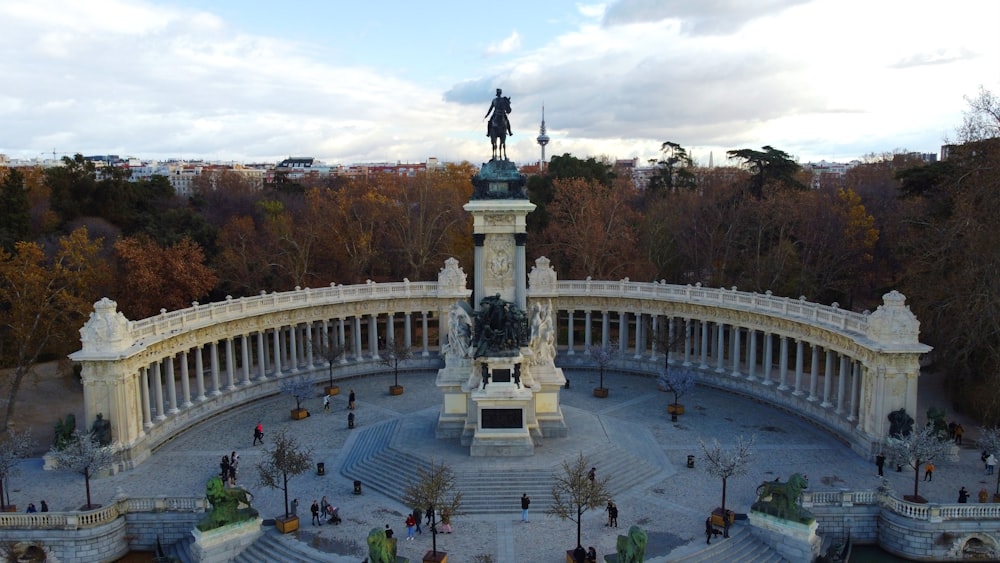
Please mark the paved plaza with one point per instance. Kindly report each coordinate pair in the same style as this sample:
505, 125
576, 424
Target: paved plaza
672, 506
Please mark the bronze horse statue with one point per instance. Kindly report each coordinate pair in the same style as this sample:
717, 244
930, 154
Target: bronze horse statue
498, 135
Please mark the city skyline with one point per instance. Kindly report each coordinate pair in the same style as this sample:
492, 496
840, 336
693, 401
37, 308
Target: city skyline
353, 82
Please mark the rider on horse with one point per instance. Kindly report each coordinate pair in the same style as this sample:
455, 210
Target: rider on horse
500, 106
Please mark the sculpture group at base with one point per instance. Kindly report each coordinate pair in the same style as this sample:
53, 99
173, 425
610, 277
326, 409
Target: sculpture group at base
782, 499
226, 505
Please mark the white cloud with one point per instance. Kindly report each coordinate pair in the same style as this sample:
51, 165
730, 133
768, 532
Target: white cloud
508, 44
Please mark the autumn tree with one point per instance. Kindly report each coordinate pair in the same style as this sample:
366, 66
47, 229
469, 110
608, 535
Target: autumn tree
673, 170
593, 231
15, 445
44, 300
359, 212
84, 455
242, 261
541, 188
153, 277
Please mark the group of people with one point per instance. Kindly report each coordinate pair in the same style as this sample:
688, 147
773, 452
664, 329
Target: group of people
32, 508
228, 467
323, 510
413, 519
581, 555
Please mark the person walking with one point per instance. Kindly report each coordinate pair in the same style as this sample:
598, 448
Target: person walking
326, 403
880, 463
928, 471
411, 526
991, 464
418, 515
258, 434
430, 515
525, 503
963, 495
388, 532
709, 530
314, 509
325, 509
224, 469
234, 463
608, 510
613, 514
959, 430
350, 400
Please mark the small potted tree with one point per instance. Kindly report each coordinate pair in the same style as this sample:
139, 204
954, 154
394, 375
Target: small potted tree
725, 463
282, 461
574, 493
603, 356
392, 355
300, 388
84, 455
331, 350
434, 487
15, 446
677, 381
919, 447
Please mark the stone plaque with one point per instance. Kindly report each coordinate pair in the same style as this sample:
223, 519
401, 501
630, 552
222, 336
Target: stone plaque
501, 376
502, 418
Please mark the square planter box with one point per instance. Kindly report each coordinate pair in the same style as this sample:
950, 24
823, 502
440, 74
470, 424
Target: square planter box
431, 557
332, 390
299, 414
286, 525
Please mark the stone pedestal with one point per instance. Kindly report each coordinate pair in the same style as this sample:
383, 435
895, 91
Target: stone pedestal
226, 543
793, 540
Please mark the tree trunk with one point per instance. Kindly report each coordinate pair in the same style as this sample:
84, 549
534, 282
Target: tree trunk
86, 478
284, 477
15, 386
916, 479
579, 517
723, 496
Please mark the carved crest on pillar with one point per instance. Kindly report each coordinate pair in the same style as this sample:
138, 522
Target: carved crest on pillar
451, 278
498, 260
542, 278
107, 330
893, 322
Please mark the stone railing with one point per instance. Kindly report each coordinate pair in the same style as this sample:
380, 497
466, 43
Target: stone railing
102, 515
916, 511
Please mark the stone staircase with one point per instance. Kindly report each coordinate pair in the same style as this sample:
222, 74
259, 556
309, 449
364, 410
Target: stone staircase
741, 546
385, 468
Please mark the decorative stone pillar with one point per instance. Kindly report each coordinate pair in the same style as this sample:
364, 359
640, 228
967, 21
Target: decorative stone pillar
783, 363
569, 333
799, 359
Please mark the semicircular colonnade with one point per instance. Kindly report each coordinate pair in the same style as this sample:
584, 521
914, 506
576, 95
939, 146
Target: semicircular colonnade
155, 377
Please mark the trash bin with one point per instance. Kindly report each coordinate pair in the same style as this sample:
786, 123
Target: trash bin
357, 487
690, 461
321, 468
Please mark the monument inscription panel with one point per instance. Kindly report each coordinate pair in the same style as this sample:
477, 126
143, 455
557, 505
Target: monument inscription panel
502, 418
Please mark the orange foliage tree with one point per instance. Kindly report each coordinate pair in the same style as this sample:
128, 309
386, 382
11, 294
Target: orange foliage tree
152, 277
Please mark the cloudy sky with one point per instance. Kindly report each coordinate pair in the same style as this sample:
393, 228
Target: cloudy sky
353, 81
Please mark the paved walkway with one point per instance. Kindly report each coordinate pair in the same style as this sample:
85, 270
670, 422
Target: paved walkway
672, 508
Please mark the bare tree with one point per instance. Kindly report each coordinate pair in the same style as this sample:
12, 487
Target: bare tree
604, 356
282, 461
434, 487
330, 349
299, 387
920, 447
84, 455
392, 355
678, 381
14, 446
575, 493
728, 462
982, 120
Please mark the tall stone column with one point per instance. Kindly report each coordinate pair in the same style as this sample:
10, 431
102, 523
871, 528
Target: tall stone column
520, 271
479, 288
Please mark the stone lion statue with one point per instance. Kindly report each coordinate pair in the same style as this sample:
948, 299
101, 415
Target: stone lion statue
632, 547
226, 505
782, 499
380, 548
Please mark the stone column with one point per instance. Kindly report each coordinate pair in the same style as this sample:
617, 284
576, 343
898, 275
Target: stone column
168, 364
214, 359
293, 349
147, 420
185, 380
827, 379
158, 391
622, 332
783, 363
704, 344
373, 336
520, 271
687, 342
569, 333
639, 344
799, 359
654, 327
841, 379
407, 331
276, 347
245, 349
813, 372
356, 330
423, 333
230, 366
199, 373
307, 343
765, 369
752, 355
478, 258
587, 339
720, 347
261, 356
853, 405
342, 340
735, 331
605, 329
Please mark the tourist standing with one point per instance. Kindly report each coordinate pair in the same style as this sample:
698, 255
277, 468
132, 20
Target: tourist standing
314, 509
295, 507
326, 403
418, 515
613, 514
411, 526
880, 463
709, 530
928, 471
45, 506
234, 463
991, 464
525, 503
963, 495
325, 509
388, 532
350, 400
959, 430
258, 434
224, 469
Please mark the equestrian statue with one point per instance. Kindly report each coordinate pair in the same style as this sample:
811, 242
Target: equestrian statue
498, 127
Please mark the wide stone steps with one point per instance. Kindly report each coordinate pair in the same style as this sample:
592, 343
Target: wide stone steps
741, 546
181, 550
382, 467
273, 546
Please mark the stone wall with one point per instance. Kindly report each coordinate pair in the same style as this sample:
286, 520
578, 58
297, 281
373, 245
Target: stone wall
143, 528
922, 540
106, 542
837, 523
